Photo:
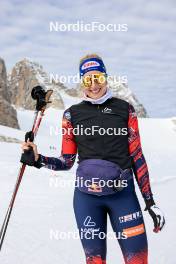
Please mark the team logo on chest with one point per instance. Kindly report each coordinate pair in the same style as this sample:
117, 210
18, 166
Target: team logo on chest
107, 110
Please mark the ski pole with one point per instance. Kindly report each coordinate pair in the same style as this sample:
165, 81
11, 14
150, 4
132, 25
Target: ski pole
42, 97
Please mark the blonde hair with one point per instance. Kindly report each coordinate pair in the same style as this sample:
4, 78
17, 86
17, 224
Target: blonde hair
88, 56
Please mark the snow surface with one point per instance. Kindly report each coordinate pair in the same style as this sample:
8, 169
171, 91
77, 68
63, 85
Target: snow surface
42, 205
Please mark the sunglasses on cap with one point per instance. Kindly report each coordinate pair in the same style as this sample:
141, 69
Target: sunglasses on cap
99, 78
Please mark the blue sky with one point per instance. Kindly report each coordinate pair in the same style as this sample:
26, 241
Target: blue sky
146, 53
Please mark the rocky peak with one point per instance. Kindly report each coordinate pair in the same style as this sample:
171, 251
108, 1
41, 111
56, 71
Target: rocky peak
8, 115
24, 76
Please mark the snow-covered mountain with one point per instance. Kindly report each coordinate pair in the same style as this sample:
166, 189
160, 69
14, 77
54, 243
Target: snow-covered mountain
43, 217
28, 73
24, 76
8, 115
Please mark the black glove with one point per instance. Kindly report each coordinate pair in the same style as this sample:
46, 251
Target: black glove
28, 156
157, 216
39, 164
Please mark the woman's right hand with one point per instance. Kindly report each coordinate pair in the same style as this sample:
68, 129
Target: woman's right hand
27, 145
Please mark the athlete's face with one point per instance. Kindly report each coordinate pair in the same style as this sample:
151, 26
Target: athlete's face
96, 84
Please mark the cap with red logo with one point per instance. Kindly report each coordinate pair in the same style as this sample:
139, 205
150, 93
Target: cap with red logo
92, 64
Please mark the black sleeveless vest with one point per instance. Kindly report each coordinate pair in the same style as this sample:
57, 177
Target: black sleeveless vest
113, 113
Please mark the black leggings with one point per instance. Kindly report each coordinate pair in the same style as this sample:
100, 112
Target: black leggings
126, 219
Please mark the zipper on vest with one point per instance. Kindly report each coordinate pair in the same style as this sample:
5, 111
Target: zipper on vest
101, 136
99, 108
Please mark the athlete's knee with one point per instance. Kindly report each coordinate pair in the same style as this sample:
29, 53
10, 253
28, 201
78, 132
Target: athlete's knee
95, 260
